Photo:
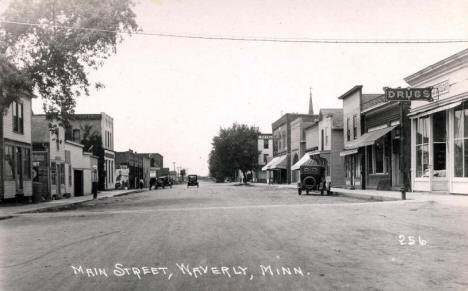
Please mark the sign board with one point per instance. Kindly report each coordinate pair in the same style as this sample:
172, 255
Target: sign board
408, 94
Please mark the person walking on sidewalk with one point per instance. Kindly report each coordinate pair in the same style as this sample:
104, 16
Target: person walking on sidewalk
94, 185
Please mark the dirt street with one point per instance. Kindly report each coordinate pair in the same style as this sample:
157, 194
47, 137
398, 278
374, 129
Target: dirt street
224, 237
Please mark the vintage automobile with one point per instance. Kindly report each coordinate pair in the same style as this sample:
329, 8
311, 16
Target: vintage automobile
192, 180
160, 182
165, 181
312, 178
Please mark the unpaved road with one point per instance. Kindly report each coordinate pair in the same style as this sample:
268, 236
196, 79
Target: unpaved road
237, 238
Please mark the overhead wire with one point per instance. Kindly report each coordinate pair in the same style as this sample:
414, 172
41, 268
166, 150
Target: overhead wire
255, 39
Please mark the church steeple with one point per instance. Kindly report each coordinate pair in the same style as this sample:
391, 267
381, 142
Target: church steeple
311, 106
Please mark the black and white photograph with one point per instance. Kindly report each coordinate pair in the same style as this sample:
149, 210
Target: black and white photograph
233, 145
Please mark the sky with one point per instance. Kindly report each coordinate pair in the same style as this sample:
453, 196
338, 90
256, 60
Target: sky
171, 95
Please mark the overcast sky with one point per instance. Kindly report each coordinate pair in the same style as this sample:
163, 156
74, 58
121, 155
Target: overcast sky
171, 95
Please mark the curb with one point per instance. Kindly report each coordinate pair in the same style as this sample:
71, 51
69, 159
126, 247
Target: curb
72, 205
363, 196
126, 193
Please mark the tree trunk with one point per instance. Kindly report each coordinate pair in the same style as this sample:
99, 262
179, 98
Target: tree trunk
245, 176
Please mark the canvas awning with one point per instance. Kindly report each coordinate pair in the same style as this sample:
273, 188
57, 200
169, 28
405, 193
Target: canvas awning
299, 163
369, 138
348, 152
314, 158
276, 163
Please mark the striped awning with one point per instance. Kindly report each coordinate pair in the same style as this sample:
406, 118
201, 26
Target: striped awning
276, 163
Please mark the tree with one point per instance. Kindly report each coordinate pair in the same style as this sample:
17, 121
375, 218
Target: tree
65, 39
236, 148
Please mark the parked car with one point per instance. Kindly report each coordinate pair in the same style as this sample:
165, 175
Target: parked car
164, 181
192, 180
312, 178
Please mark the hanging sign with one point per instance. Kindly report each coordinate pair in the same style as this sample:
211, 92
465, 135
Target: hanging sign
408, 94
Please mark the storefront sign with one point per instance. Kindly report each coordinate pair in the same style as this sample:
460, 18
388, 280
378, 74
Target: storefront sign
408, 94
265, 137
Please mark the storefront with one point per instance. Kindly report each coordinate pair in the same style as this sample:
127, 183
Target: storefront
439, 140
17, 169
278, 167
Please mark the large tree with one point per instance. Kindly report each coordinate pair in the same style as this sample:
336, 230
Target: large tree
235, 148
55, 44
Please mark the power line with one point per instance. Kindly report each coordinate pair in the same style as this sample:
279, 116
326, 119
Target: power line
258, 39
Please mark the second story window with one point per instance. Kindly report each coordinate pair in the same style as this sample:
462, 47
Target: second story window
354, 127
326, 136
76, 135
18, 120
265, 143
348, 129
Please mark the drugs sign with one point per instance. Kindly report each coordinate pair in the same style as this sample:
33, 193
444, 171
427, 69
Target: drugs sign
408, 94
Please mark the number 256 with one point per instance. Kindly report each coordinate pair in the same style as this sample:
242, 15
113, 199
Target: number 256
411, 240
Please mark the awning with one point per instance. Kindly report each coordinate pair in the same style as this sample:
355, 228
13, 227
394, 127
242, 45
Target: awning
348, 152
276, 163
369, 138
299, 163
437, 109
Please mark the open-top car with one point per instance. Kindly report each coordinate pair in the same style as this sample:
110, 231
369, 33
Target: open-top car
312, 178
192, 180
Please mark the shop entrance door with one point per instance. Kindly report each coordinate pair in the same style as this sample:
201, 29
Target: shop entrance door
439, 151
78, 179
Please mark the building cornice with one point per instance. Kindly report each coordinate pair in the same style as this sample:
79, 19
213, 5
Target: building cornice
350, 91
457, 60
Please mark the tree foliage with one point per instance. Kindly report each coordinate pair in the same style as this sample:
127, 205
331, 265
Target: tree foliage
56, 53
12, 84
235, 148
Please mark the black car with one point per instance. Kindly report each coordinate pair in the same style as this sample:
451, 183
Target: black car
192, 180
165, 181
312, 178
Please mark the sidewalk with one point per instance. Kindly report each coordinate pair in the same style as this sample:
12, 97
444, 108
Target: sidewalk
382, 195
7, 210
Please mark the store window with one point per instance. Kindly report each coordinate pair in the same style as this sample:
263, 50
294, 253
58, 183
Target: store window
422, 147
62, 174
27, 163
370, 160
439, 134
53, 173
9, 164
379, 154
461, 140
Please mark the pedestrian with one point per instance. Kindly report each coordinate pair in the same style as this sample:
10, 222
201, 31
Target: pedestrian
94, 185
142, 183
